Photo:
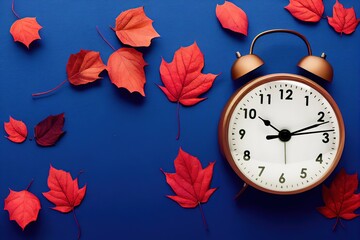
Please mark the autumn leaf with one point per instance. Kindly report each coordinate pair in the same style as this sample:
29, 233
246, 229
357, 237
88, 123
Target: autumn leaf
340, 199
183, 79
25, 30
23, 207
344, 19
49, 130
64, 192
232, 17
190, 182
134, 28
16, 130
84, 67
306, 10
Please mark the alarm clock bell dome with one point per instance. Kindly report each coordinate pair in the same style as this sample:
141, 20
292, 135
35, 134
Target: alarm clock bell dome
245, 64
317, 66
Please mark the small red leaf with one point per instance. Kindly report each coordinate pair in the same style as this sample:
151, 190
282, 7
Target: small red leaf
84, 67
340, 199
134, 28
16, 130
64, 191
232, 17
190, 182
306, 10
23, 207
25, 30
126, 70
344, 19
49, 130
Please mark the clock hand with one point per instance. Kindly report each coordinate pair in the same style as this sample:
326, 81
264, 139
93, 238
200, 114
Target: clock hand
269, 137
309, 127
267, 123
285, 151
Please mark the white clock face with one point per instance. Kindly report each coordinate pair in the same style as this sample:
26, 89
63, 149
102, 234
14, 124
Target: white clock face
284, 136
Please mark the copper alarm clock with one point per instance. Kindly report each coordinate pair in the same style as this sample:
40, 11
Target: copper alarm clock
282, 133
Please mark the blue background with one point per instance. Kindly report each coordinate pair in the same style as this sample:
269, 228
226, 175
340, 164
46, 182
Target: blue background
121, 140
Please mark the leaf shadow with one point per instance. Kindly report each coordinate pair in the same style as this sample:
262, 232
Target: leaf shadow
33, 46
232, 34
134, 98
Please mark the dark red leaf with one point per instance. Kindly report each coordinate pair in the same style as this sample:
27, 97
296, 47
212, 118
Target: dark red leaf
306, 10
344, 19
340, 199
49, 130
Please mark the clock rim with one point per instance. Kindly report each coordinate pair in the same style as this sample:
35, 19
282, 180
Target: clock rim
223, 127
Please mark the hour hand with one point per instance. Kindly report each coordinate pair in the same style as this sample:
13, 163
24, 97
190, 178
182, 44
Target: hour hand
268, 123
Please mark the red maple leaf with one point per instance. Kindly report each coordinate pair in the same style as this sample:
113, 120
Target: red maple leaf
23, 207
306, 10
25, 30
344, 19
134, 28
340, 199
126, 70
232, 17
183, 79
84, 67
16, 130
190, 182
64, 193
49, 130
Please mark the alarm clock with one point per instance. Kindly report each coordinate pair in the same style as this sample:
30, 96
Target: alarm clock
282, 133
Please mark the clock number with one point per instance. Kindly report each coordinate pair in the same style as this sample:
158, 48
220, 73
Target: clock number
242, 133
326, 137
319, 158
289, 93
262, 169
307, 100
282, 179
322, 115
246, 155
252, 113
303, 173
262, 98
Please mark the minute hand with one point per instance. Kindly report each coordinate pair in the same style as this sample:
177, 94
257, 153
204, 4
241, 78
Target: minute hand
309, 127
269, 137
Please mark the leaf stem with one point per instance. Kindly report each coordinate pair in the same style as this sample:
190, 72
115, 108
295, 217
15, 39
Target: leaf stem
49, 91
242, 190
102, 36
178, 120
77, 224
31, 182
203, 217
13, 9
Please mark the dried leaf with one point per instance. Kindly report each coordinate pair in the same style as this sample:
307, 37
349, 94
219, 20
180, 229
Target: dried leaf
344, 19
64, 191
23, 207
183, 79
16, 130
306, 10
134, 28
340, 199
25, 30
232, 17
84, 67
126, 70
49, 130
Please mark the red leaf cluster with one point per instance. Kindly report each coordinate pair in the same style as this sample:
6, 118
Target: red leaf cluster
190, 182
64, 191
23, 207
344, 19
16, 130
232, 17
340, 199
49, 130
134, 28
